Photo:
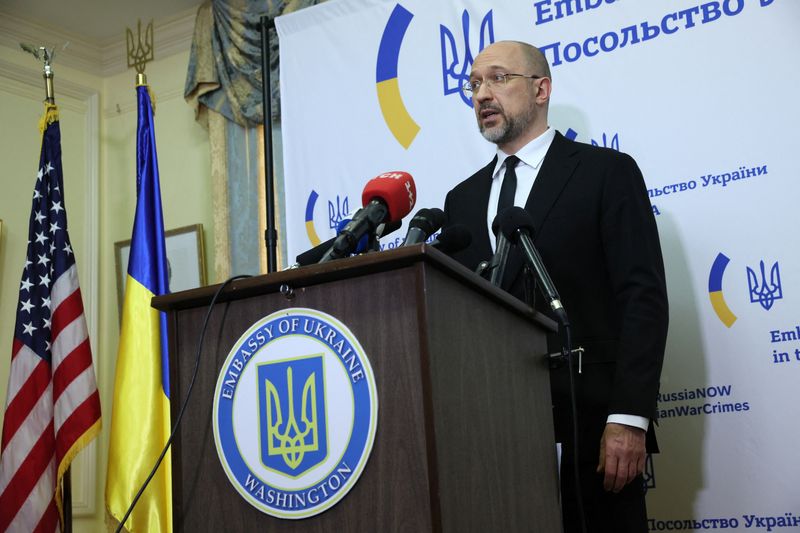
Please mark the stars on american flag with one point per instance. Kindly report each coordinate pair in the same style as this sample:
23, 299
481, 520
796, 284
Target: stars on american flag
26, 305
49, 256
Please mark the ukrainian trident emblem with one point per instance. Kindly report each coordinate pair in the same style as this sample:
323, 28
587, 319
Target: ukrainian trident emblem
292, 419
455, 70
765, 291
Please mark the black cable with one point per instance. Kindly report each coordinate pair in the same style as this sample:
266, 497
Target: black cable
566, 347
574, 408
185, 401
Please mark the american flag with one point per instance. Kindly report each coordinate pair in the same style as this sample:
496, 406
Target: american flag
52, 405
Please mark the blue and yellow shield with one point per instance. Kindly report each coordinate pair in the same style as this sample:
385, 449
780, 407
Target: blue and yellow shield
292, 422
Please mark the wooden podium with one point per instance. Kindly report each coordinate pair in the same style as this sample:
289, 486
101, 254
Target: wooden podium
465, 434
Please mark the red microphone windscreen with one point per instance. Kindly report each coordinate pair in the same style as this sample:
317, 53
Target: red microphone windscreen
396, 190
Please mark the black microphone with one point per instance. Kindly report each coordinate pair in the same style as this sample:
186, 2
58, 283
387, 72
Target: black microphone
388, 197
380, 232
314, 254
452, 239
424, 224
517, 225
388, 227
497, 265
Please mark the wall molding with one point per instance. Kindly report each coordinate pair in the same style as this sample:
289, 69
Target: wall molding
130, 105
101, 58
28, 82
84, 485
81, 54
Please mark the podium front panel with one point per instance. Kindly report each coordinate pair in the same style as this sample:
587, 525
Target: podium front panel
393, 491
464, 439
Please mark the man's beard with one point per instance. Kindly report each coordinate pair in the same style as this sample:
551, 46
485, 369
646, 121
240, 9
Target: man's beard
509, 129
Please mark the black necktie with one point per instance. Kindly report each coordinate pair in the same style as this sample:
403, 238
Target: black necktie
509, 187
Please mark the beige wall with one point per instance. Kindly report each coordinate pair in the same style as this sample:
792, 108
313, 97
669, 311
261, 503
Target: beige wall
98, 124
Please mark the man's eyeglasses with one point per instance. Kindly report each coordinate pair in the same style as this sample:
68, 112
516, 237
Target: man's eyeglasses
493, 81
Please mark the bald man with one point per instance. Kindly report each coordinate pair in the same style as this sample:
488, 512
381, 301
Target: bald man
597, 236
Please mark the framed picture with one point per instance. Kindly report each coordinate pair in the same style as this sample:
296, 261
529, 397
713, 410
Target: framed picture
186, 265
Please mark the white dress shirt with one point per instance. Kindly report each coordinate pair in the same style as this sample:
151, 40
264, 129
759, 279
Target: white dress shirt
531, 157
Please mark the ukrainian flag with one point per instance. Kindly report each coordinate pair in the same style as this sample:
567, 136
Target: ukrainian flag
140, 420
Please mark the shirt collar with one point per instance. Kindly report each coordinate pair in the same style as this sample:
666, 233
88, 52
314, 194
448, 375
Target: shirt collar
532, 154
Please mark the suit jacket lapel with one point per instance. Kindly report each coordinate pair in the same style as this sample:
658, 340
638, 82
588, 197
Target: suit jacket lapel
557, 168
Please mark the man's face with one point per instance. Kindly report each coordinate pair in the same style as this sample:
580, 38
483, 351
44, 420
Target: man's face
504, 111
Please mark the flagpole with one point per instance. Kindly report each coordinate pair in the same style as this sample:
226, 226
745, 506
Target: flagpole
46, 55
50, 97
66, 493
138, 440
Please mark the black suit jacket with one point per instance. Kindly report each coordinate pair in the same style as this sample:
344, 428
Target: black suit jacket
597, 236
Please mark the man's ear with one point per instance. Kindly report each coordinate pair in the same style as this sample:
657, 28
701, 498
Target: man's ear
545, 87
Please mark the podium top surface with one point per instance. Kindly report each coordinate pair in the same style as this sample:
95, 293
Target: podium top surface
360, 265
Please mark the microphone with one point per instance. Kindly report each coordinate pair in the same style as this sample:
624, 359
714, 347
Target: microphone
314, 254
452, 239
363, 242
386, 198
517, 225
497, 265
380, 232
388, 227
424, 224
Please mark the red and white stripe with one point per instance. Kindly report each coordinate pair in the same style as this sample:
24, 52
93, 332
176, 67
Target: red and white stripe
48, 408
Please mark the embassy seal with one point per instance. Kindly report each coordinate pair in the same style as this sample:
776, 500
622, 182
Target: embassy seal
295, 413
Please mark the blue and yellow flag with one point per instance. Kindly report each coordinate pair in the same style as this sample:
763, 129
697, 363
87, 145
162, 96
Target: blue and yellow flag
140, 420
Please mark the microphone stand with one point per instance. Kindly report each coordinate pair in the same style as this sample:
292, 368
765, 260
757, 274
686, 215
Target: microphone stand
270, 234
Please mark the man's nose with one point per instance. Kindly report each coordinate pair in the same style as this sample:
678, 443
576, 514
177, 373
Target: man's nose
483, 93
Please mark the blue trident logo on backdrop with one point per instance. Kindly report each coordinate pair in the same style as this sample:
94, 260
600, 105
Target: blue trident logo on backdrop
292, 420
608, 142
454, 75
338, 212
762, 291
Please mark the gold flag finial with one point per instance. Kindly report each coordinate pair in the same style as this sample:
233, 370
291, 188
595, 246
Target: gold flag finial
140, 52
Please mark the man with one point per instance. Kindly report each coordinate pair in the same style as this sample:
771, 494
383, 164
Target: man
597, 237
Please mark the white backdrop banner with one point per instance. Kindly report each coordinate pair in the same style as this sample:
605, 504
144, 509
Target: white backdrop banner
702, 95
